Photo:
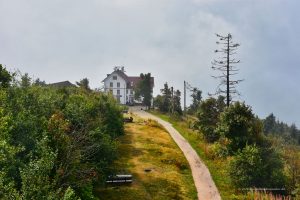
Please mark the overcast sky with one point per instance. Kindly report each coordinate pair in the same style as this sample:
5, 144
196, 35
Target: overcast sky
174, 40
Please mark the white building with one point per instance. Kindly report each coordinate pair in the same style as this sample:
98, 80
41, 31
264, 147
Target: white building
121, 85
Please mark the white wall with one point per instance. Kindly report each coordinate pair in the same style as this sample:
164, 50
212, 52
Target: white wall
115, 88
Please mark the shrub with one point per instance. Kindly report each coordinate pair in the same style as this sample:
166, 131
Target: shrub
54, 139
219, 149
257, 167
70, 195
239, 124
208, 117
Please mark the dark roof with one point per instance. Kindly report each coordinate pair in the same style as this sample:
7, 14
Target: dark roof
62, 84
136, 79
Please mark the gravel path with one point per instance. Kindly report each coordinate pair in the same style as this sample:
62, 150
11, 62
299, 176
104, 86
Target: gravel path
206, 187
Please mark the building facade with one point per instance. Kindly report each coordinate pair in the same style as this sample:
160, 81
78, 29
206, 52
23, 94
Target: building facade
121, 86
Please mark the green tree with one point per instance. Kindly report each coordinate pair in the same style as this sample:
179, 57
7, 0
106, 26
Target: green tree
25, 80
36, 181
84, 84
292, 159
5, 77
158, 102
269, 124
39, 82
294, 131
196, 100
176, 102
7, 156
208, 117
240, 126
163, 101
52, 139
144, 89
257, 167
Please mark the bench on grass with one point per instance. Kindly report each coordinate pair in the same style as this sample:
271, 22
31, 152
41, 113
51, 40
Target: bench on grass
128, 119
119, 179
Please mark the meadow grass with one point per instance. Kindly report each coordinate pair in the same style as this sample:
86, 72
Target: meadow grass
218, 167
146, 145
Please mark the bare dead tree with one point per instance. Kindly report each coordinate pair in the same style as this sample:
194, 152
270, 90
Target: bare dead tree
226, 65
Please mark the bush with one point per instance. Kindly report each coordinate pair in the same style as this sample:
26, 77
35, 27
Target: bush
208, 118
70, 195
219, 149
239, 125
54, 139
257, 167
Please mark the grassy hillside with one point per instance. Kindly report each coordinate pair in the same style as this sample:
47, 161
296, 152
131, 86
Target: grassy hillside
218, 167
146, 145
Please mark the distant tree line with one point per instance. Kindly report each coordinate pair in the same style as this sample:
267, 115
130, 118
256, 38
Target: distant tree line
55, 143
273, 126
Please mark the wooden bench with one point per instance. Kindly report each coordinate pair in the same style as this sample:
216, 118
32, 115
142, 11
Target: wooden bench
119, 179
128, 119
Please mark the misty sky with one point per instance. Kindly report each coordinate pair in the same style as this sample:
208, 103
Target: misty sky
61, 40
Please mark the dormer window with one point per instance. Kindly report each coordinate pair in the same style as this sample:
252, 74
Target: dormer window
114, 77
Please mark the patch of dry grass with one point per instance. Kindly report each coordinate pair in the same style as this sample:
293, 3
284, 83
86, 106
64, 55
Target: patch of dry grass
146, 145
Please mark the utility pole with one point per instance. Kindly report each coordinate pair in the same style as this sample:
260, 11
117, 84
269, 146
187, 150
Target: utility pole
172, 95
184, 97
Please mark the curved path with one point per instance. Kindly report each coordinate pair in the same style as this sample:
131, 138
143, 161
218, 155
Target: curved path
205, 186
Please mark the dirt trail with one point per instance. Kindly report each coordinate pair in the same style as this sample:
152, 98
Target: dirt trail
206, 187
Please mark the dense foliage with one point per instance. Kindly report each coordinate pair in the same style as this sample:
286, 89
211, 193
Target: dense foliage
144, 89
169, 101
196, 101
257, 158
5, 77
208, 117
55, 143
255, 166
273, 126
240, 126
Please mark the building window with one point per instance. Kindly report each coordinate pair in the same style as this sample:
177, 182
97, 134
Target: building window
114, 77
131, 91
131, 84
111, 84
118, 91
111, 91
118, 84
126, 91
